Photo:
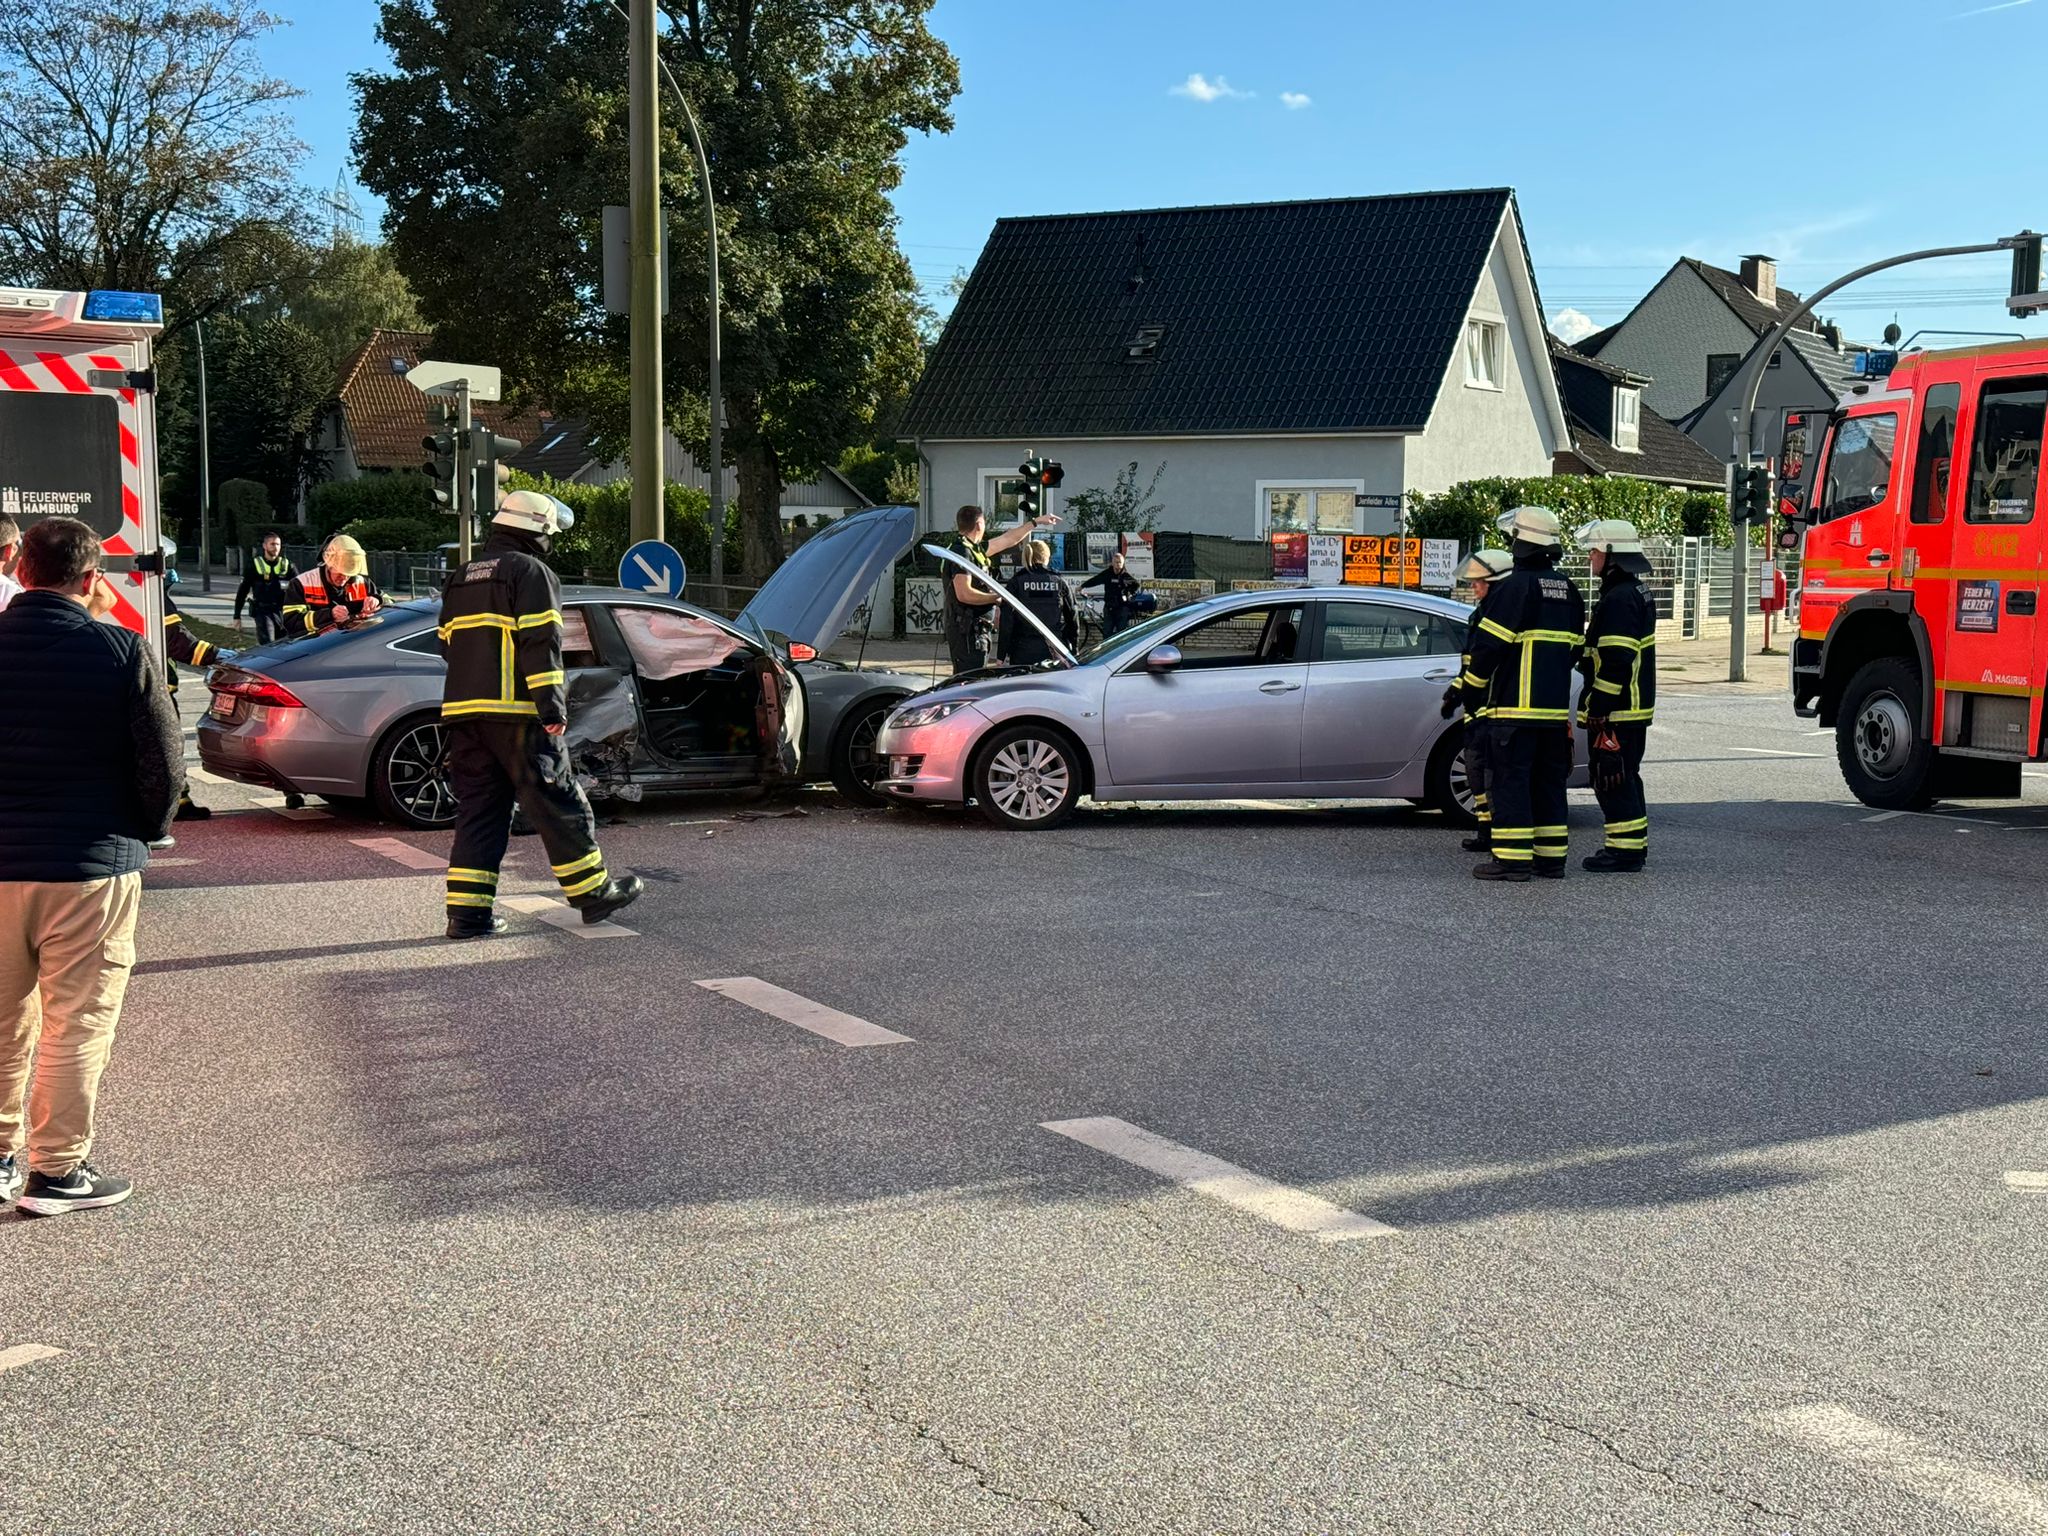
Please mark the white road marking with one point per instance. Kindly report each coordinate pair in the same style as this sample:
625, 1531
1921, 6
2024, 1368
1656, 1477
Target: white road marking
1911, 1464
275, 804
561, 915
400, 852
203, 776
1775, 752
1979, 821
2027, 1182
26, 1354
1884, 816
833, 1025
1283, 1206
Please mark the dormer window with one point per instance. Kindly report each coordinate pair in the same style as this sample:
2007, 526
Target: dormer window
1143, 347
1628, 415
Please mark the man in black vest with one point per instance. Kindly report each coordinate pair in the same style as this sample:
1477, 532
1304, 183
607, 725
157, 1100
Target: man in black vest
262, 589
95, 762
970, 601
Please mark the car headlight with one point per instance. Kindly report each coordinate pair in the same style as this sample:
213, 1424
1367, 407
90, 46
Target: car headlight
926, 714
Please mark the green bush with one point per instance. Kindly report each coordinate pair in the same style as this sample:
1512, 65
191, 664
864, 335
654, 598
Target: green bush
242, 509
404, 494
603, 533
394, 533
1466, 512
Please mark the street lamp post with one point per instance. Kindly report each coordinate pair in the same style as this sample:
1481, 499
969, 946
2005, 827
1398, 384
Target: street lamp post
205, 468
643, 133
1745, 412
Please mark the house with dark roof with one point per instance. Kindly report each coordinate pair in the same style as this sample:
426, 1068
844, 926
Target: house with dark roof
1694, 330
1615, 433
1293, 366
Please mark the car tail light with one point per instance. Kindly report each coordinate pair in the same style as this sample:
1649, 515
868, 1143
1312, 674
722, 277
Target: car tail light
257, 690
801, 652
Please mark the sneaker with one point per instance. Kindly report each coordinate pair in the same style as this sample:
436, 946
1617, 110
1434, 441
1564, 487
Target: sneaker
84, 1188
614, 895
1609, 862
1479, 842
12, 1177
1493, 869
487, 927
159, 844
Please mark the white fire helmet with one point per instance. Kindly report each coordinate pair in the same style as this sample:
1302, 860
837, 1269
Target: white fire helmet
1616, 535
1486, 565
534, 512
1531, 525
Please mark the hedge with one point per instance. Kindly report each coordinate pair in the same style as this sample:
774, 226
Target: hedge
400, 533
1467, 512
603, 531
402, 494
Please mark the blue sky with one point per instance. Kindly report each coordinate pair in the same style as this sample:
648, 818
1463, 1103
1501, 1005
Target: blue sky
1633, 132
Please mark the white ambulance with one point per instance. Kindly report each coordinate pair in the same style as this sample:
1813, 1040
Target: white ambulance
78, 429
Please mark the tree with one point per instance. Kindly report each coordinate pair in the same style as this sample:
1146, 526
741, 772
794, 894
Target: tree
141, 148
268, 380
500, 133
1123, 508
346, 290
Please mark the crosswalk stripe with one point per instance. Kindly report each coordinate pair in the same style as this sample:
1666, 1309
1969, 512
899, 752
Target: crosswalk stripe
1281, 1204
2027, 1181
561, 915
1920, 1469
401, 852
26, 1354
842, 1028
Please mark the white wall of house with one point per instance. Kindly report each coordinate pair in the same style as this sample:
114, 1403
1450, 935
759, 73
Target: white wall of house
1211, 484
1669, 336
1476, 431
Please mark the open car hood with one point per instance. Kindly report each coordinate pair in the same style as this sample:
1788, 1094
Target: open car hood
1058, 645
809, 600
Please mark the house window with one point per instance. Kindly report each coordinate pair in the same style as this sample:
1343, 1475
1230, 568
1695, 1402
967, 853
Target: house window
1308, 507
1002, 493
1721, 368
1628, 406
1483, 341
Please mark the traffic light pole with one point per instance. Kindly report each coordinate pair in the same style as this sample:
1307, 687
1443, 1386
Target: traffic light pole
465, 483
643, 132
1745, 412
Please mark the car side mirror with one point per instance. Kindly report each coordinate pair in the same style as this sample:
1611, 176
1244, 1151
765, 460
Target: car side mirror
1162, 658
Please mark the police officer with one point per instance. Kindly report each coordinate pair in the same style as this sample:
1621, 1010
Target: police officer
1620, 665
1050, 602
970, 604
1119, 587
263, 589
1523, 654
506, 704
1479, 572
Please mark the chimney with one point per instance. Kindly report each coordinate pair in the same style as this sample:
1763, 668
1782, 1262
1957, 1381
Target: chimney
1760, 277
1831, 334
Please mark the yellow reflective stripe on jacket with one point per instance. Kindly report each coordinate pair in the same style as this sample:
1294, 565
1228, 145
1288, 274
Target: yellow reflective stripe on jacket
1508, 712
535, 620
545, 679
477, 621
1628, 716
1602, 685
1498, 631
1625, 642
1558, 636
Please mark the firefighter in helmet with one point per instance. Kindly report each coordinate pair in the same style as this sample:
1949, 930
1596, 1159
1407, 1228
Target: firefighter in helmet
506, 705
1480, 572
333, 592
1620, 667
1524, 649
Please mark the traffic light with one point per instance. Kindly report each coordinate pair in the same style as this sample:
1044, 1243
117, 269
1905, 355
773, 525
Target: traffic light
1029, 499
1050, 473
487, 451
2026, 296
440, 465
1751, 501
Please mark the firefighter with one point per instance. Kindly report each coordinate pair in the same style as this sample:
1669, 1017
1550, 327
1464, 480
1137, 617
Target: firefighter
263, 589
181, 645
1620, 666
506, 704
970, 604
1051, 603
334, 591
1480, 572
1524, 650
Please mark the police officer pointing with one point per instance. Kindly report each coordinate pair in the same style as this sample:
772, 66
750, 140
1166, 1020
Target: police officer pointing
971, 604
1523, 656
1620, 665
506, 704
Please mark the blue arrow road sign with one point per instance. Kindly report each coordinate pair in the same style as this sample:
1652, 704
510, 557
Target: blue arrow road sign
652, 566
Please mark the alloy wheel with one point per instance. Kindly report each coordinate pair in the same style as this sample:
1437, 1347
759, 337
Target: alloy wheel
1028, 779
418, 774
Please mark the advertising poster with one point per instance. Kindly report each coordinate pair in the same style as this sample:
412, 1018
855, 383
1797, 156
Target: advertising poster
1325, 559
1400, 562
1977, 607
1100, 547
1290, 556
1362, 560
1439, 564
1138, 557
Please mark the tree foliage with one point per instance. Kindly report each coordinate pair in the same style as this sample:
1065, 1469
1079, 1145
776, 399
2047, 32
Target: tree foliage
141, 148
499, 135
1123, 508
1467, 511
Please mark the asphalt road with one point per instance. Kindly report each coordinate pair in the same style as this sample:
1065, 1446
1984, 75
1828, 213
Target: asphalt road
1693, 1201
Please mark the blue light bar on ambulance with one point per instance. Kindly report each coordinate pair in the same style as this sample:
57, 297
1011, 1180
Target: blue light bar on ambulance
118, 308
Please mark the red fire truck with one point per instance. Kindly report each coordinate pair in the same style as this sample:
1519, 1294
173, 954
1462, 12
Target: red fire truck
1924, 532
78, 429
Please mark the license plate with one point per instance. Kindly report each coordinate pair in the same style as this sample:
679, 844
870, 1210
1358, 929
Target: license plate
222, 707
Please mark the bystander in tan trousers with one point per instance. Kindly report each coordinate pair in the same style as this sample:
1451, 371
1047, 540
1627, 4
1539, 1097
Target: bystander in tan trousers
66, 951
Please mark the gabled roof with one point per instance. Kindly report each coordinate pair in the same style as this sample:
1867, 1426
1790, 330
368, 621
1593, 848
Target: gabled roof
559, 450
1336, 316
1590, 345
1663, 453
1834, 372
387, 417
1749, 309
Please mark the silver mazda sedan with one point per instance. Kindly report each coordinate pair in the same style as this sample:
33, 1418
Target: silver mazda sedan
1300, 693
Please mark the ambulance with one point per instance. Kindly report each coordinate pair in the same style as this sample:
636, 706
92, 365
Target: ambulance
1919, 509
78, 430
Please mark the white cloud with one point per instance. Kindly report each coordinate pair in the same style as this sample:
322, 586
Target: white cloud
1294, 101
1572, 325
1199, 87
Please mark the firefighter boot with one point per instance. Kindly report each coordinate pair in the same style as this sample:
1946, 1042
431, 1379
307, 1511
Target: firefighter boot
615, 894
471, 924
1494, 869
1610, 862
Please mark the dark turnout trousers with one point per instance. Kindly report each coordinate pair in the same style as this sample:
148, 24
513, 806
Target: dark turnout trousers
1625, 810
493, 765
1531, 765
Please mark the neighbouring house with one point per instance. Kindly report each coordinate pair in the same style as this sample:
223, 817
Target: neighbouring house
1694, 330
375, 420
1615, 433
1294, 366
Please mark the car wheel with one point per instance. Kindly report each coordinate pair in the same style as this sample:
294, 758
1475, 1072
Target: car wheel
1027, 777
855, 765
409, 775
1885, 756
1449, 789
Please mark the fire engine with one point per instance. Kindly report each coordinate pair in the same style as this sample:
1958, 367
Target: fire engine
78, 430
1923, 529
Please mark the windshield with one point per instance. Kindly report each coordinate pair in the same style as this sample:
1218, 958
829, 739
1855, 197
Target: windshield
1138, 634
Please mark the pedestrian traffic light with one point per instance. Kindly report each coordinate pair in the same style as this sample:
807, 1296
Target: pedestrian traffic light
487, 452
440, 465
